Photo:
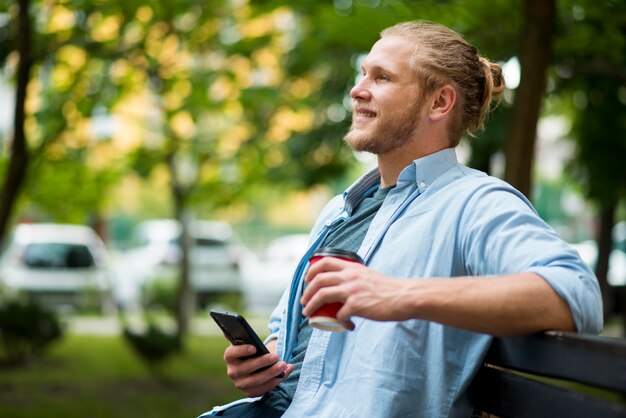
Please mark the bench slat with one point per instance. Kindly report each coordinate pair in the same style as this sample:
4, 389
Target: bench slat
595, 361
512, 396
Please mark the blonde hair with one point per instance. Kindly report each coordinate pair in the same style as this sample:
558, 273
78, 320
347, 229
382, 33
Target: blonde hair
441, 57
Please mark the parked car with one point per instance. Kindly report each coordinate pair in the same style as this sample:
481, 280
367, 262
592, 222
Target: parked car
265, 280
60, 265
215, 256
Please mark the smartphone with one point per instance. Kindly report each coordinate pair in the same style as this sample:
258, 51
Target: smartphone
237, 330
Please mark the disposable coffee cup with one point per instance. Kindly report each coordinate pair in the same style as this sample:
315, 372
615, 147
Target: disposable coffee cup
326, 317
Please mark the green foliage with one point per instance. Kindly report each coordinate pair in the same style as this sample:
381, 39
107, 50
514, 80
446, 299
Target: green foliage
600, 132
590, 75
68, 190
160, 293
26, 329
154, 345
206, 64
591, 34
144, 160
89, 59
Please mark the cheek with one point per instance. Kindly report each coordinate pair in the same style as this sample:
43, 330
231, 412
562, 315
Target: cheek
398, 100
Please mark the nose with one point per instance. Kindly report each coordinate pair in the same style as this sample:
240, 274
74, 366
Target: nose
360, 90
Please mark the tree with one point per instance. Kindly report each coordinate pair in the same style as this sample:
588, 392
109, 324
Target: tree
18, 161
537, 38
65, 67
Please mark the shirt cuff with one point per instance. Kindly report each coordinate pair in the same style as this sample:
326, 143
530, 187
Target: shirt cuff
271, 338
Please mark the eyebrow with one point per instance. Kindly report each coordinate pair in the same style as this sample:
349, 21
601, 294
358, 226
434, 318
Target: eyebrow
376, 67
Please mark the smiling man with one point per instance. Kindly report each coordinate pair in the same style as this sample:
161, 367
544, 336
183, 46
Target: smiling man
386, 100
452, 256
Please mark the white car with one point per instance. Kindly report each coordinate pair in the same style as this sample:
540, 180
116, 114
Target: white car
265, 280
61, 265
215, 256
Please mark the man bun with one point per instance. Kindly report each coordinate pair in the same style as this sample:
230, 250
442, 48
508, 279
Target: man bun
494, 87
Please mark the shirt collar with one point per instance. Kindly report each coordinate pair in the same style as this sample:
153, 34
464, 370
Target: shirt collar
361, 188
424, 171
421, 172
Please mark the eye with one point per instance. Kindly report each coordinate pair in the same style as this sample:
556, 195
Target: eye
382, 77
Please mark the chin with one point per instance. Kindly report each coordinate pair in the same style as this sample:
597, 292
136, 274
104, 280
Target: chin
361, 144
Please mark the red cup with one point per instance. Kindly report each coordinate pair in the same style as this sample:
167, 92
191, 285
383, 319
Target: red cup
325, 318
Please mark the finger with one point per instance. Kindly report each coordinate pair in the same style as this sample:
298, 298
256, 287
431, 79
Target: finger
343, 317
250, 366
322, 280
243, 366
324, 265
277, 372
236, 352
263, 388
322, 297
290, 368
260, 378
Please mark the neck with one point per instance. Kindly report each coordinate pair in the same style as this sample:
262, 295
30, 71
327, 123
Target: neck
390, 168
391, 164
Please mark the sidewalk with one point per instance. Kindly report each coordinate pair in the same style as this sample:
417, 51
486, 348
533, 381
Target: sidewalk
110, 325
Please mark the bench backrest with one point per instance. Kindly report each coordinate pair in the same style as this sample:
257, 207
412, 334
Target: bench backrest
596, 362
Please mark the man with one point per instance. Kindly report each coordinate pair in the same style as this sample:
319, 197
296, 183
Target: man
452, 256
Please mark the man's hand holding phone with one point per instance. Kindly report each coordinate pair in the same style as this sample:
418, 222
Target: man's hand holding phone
244, 370
253, 367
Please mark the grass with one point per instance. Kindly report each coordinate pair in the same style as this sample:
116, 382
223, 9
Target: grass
99, 376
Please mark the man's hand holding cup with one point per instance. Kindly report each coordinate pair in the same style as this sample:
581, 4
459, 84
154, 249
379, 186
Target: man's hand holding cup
325, 316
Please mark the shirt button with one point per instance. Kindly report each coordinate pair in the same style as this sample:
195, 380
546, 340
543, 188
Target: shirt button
422, 184
328, 223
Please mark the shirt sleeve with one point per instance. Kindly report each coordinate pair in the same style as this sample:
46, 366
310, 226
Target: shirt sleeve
276, 317
502, 234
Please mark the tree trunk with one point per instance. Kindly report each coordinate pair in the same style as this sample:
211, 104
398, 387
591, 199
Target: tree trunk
185, 297
605, 245
538, 32
185, 300
19, 151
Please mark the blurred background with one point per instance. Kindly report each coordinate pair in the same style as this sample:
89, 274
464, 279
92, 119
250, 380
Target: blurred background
160, 158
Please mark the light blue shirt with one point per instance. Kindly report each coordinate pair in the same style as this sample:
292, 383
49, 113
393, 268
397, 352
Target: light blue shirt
442, 220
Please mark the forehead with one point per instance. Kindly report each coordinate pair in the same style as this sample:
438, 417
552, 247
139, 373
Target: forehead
392, 52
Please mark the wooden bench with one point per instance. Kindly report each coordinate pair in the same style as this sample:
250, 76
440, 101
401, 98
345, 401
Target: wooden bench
552, 375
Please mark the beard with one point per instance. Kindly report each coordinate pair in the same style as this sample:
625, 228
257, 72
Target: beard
389, 132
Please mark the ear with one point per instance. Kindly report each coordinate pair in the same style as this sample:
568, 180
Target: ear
442, 102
